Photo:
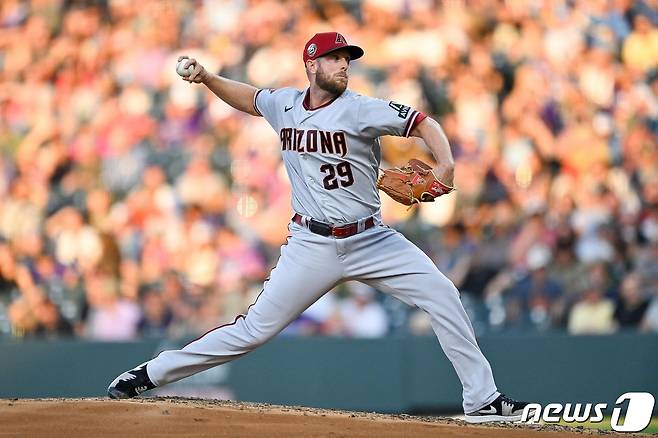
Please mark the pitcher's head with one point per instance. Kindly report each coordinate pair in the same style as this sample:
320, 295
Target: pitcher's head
327, 58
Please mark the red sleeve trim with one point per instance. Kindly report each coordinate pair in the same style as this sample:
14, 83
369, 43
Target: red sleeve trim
415, 121
410, 122
256, 106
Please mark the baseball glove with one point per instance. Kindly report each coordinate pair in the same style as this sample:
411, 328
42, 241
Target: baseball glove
412, 183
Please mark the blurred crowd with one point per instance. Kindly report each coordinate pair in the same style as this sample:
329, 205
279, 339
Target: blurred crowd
134, 204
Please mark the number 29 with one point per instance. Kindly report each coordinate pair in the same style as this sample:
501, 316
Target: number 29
339, 175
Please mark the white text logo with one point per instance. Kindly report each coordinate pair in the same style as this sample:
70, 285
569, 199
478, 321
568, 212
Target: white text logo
638, 413
636, 418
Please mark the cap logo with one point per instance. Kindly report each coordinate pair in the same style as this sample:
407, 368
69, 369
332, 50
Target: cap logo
340, 39
312, 49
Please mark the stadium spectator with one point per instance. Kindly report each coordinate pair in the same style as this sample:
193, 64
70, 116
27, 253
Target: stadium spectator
156, 316
50, 322
111, 317
362, 316
631, 305
532, 299
641, 47
593, 314
650, 321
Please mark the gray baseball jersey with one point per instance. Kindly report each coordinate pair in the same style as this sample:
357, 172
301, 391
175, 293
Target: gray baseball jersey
332, 153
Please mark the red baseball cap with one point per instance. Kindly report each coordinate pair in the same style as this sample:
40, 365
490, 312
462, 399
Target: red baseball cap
326, 42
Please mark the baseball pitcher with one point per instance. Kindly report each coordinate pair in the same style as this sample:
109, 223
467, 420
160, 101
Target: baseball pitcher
329, 139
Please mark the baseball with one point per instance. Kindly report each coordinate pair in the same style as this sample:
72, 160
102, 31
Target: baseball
181, 70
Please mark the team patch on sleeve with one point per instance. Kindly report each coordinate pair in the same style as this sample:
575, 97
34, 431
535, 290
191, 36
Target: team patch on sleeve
402, 110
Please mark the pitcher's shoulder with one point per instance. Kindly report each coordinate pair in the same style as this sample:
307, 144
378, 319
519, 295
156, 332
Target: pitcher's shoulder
359, 100
352, 96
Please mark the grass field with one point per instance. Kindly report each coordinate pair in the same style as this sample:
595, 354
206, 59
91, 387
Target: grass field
605, 425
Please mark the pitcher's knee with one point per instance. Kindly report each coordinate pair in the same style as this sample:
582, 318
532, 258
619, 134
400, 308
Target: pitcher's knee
257, 335
454, 291
442, 292
440, 284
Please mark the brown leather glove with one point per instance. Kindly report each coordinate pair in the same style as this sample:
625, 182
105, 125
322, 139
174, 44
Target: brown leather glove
412, 183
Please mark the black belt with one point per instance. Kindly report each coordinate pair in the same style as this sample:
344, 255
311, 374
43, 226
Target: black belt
338, 232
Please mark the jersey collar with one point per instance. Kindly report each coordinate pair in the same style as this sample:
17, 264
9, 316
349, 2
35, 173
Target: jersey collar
307, 101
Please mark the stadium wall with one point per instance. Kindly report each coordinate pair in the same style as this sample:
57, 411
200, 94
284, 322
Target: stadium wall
384, 375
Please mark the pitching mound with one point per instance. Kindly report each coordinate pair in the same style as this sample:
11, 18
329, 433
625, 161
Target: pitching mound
177, 417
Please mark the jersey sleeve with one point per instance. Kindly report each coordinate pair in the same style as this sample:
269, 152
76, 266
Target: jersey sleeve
378, 117
265, 103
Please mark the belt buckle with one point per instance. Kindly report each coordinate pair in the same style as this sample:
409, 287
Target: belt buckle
342, 232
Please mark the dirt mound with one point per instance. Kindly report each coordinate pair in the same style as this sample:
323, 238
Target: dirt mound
180, 417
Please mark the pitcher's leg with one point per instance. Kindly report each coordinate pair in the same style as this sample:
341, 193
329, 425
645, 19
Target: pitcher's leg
453, 330
397, 266
303, 273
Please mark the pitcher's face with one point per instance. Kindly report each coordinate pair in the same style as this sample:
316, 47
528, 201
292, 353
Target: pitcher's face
332, 71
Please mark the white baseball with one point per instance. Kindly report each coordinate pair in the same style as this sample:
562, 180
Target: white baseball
181, 70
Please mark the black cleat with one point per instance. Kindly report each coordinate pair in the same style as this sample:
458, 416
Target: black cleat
131, 383
501, 409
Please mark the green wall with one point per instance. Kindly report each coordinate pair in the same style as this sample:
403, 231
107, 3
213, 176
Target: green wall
384, 375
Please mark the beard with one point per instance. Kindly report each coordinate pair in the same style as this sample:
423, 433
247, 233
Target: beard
334, 85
